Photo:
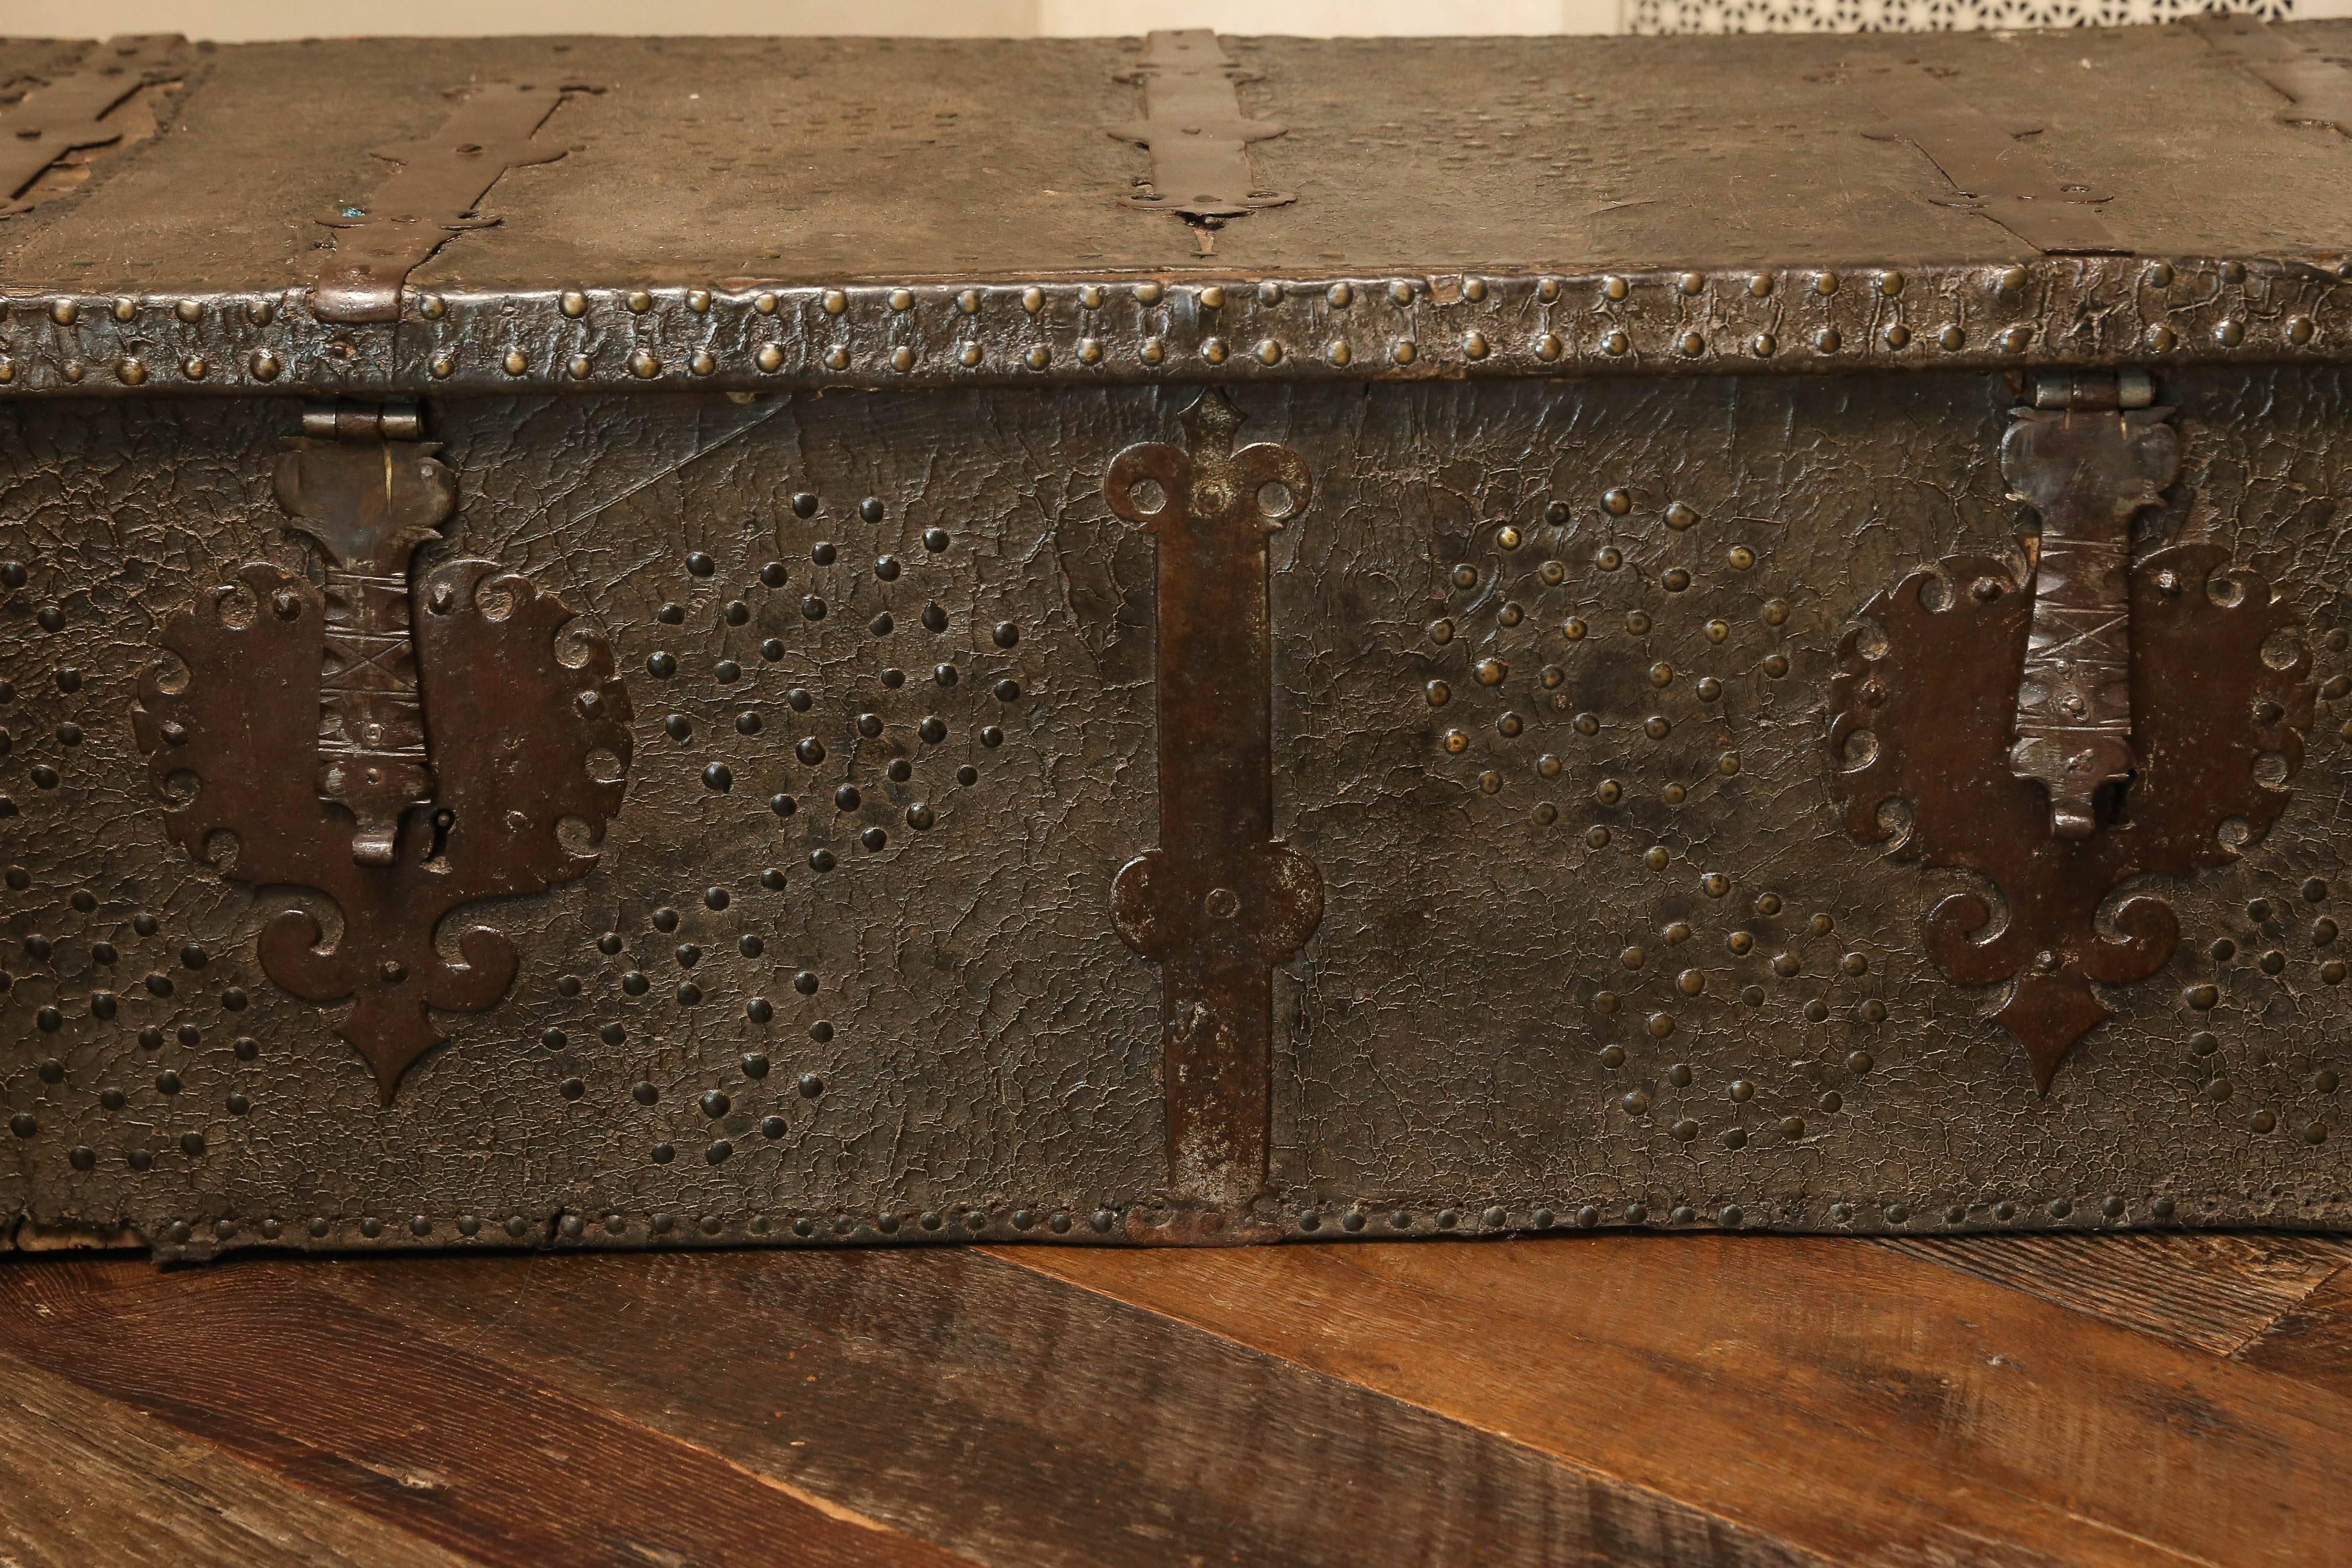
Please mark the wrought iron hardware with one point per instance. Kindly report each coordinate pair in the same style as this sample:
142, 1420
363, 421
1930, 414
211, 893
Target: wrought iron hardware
70, 114
435, 187
1995, 172
1199, 138
1222, 900
403, 742
2098, 715
2320, 88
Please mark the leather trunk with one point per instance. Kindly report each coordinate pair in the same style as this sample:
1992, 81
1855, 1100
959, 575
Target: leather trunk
1181, 639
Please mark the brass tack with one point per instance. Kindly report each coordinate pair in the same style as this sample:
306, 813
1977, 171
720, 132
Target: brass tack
2157, 275
188, 310
968, 301
1897, 335
1032, 299
1827, 339
1951, 338
1269, 353
581, 366
195, 368
764, 302
771, 358
2014, 340
1474, 288
1213, 297
969, 355
1269, 292
433, 308
1890, 284
1400, 292
640, 301
643, 365
1548, 290
702, 364
1692, 282
834, 301
1760, 285
2009, 280
71, 369
573, 303
1214, 351
1090, 351
1614, 342
902, 299
1338, 352
2299, 329
1153, 350
1613, 287
1475, 345
1403, 350
837, 358
698, 300
515, 363
1548, 347
2230, 333
442, 367
1038, 357
124, 309
1090, 298
1693, 344
7, 372
2162, 338
1763, 346
130, 373
264, 365
1148, 293
1339, 296
1826, 283
64, 312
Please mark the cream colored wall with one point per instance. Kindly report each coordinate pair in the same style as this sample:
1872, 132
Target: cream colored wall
236, 20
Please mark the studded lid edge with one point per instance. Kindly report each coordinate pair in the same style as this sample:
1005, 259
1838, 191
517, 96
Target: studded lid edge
2076, 310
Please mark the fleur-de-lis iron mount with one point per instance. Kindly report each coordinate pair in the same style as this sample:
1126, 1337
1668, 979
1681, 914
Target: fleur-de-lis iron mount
2097, 717
403, 742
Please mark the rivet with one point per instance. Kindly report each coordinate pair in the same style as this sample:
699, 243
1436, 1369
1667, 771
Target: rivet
1617, 502
1613, 287
2014, 340
2230, 333
1338, 352
702, 364
264, 365
1474, 289
764, 302
433, 308
188, 310
1763, 346
1269, 292
573, 303
129, 373
2162, 338
442, 367
2299, 330
1404, 351
515, 363
837, 358
643, 365
1826, 283
1032, 299
1692, 282
1548, 347
1475, 345
1153, 350
1038, 357
1400, 292
834, 301
969, 356
124, 309
640, 301
902, 300
1890, 284
71, 369
1760, 285
1951, 338
1269, 353
1614, 342
1897, 335
1827, 341
902, 358
64, 312
1213, 297
1693, 344
1148, 293
196, 369
2157, 275
769, 358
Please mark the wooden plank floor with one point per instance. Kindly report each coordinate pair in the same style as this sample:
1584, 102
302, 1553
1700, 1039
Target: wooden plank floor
1594, 1399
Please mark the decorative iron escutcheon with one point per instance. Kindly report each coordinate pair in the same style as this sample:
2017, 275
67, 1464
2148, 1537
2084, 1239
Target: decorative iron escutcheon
403, 744
1222, 900
2061, 731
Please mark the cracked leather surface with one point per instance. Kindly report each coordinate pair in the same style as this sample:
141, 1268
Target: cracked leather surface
1463, 1030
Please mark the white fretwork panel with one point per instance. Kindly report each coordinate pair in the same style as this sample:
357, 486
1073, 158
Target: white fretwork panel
1917, 15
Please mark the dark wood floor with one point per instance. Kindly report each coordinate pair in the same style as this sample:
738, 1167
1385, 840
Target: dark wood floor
1677, 1400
